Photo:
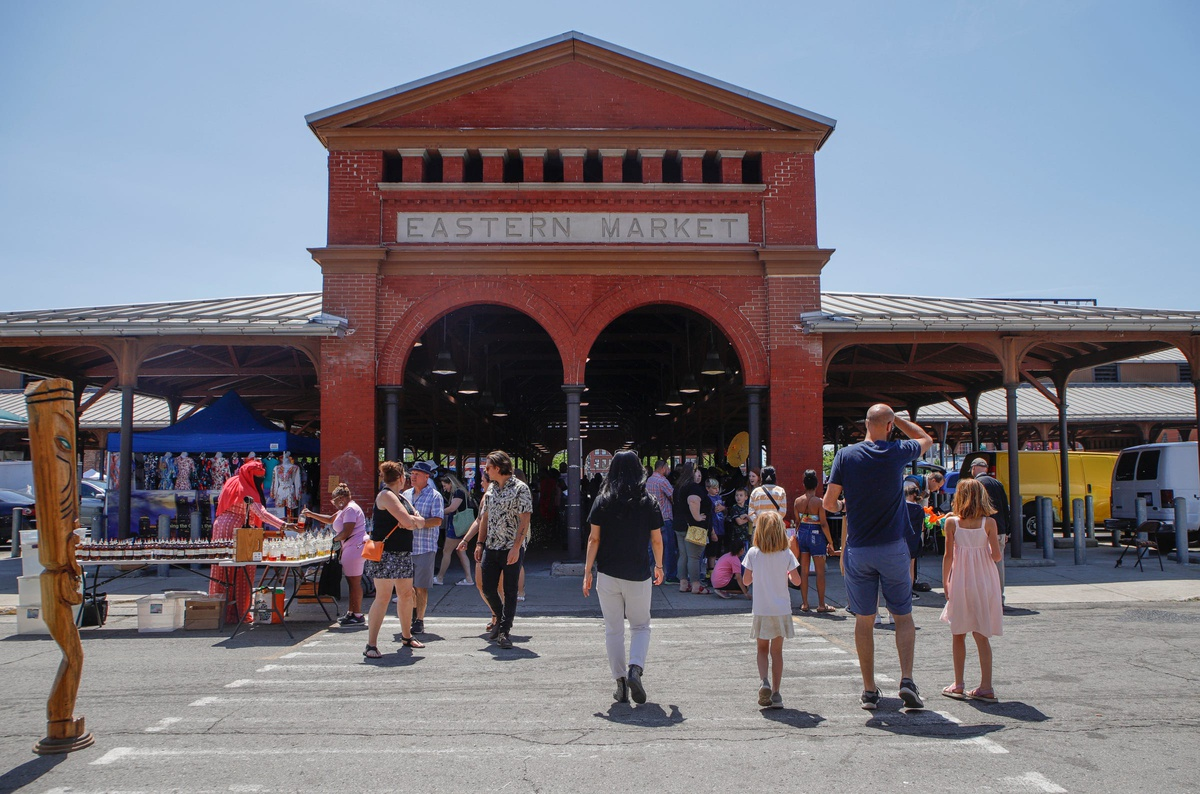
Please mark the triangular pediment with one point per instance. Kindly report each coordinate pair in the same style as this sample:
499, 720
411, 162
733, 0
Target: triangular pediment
569, 82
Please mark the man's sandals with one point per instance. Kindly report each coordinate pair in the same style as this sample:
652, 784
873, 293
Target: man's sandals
411, 642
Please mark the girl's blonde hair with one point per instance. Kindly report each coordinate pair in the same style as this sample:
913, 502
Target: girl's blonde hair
971, 500
769, 536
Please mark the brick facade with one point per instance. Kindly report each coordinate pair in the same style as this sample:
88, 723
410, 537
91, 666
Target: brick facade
393, 293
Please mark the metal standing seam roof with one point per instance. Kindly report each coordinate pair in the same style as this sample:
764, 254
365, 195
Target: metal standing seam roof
844, 311
571, 35
1086, 403
149, 413
263, 315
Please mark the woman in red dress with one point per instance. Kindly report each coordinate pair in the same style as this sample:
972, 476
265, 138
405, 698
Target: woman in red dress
232, 513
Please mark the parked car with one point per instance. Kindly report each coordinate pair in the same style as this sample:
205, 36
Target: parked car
1041, 475
10, 500
1158, 473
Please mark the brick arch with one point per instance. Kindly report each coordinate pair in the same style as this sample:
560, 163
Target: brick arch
748, 345
460, 294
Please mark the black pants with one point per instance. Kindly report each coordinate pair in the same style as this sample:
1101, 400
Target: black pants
495, 562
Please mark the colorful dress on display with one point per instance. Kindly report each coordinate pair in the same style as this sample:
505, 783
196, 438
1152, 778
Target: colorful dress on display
269, 465
220, 472
285, 487
185, 467
231, 514
974, 604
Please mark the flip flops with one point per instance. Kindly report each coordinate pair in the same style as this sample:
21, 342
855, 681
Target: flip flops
371, 652
826, 609
954, 692
983, 695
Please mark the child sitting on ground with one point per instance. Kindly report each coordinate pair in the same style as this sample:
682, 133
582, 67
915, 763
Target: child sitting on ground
727, 575
769, 566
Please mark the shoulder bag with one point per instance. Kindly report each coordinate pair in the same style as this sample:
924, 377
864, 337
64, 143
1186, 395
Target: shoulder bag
330, 583
373, 549
697, 536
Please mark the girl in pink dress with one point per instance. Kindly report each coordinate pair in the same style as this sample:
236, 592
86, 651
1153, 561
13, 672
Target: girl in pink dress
972, 586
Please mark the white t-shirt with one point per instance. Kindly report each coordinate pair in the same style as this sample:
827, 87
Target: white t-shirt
770, 587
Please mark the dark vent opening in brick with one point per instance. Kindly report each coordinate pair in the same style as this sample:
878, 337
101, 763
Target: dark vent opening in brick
552, 167
393, 168
593, 168
672, 168
752, 168
710, 169
433, 167
631, 168
514, 167
473, 167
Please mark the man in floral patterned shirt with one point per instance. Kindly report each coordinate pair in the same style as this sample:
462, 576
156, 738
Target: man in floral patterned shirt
503, 536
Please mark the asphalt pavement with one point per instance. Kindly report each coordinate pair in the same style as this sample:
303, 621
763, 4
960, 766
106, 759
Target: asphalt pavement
1096, 673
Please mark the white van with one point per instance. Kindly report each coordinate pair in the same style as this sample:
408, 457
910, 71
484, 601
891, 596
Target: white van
1158, 473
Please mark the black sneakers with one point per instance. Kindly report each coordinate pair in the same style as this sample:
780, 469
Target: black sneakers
869, 700
910, 694
418, 627
634, 681
503, 641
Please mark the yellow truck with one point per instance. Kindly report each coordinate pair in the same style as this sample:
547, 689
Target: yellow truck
1091, 473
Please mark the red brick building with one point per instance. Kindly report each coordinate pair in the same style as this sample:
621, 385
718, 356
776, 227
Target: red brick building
573, 182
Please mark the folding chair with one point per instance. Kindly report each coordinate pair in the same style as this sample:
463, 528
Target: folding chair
1141, 540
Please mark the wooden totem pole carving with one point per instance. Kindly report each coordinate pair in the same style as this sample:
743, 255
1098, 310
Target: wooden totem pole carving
51, 407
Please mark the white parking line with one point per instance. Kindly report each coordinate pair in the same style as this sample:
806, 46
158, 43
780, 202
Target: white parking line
1032, 781
163, 724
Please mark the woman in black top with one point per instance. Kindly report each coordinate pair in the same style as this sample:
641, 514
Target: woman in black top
395, 519
624, 519
692, 508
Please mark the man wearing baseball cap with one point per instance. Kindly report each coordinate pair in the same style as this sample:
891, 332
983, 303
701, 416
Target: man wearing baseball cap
428, 502
995, 491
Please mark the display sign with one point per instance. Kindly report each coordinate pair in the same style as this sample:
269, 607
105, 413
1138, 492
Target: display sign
572, 227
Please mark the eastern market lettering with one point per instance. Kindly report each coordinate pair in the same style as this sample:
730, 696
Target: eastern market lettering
571, 227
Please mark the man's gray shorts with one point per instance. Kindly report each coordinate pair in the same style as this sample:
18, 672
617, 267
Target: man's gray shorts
423, 570
868, 567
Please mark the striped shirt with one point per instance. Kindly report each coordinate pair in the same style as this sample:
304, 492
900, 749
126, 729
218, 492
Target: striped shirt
760, 502
658, 487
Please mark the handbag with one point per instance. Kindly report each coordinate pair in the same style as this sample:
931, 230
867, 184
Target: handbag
463, 520
373, 549
330, 583
697, 536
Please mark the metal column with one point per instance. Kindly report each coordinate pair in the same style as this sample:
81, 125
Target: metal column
125, 478
391, 423
754, 404
1016, 523
574, 518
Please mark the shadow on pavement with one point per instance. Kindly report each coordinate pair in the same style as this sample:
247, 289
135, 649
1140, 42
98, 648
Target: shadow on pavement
926, 724
1019, 612
1013, 709
401, 657
649, 715
793, 717
29, 771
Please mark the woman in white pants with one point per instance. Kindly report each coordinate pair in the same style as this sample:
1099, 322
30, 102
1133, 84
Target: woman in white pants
624, 518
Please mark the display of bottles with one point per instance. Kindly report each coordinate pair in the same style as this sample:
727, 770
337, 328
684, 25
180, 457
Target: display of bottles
299, 547
153, 549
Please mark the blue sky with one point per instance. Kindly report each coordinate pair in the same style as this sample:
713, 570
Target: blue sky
157, 151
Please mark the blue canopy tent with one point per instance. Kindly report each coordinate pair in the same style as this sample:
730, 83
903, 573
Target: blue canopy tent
227, 425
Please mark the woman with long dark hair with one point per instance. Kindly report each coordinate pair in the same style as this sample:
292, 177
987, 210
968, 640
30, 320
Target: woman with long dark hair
692, 508
624, 519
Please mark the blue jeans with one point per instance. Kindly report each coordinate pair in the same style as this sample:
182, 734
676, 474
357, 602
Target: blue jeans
670, 552
690, 557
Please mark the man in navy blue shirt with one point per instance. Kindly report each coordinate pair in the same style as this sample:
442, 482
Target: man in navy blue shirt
874, 546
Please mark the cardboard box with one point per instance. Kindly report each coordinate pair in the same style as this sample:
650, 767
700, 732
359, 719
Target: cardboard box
203, 614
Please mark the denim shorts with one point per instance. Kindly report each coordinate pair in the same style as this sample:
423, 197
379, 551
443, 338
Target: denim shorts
867, 567
812, 540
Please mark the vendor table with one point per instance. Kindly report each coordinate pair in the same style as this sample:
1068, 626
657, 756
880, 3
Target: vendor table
276, 573
133, 566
